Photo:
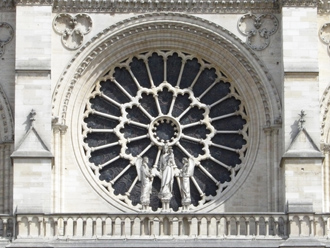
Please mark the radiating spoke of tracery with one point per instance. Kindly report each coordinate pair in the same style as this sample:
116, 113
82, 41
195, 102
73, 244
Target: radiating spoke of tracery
165, 97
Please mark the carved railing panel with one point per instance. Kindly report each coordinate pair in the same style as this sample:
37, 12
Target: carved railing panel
169, 225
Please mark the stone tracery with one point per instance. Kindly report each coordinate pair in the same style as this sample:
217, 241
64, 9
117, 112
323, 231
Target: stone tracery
165, 98
258, 29
72, 28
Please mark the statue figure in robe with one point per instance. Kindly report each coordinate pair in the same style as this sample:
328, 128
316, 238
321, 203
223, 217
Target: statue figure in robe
186, 172
167, 166
146, 178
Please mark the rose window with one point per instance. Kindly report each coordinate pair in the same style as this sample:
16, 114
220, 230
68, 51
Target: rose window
165, 99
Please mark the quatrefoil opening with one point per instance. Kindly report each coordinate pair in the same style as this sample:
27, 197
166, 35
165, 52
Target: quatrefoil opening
325, 35
6, 35
72, 29
258, 29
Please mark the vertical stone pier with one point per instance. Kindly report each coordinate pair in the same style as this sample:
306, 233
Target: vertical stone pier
32, 158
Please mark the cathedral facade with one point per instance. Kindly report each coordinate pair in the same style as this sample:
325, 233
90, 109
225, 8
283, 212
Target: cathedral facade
164, 123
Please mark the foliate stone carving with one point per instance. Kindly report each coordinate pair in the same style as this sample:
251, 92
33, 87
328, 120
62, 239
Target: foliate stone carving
72, 29
258, 29
6, 35
174, 109
325, 35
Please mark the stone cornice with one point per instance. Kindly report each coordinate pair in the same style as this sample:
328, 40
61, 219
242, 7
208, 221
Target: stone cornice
190, 6
301, 3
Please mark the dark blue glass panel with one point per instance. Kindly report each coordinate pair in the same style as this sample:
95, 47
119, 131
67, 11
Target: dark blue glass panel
204, 81
124, 78
190, 72
140, 72
156, 66
173, 69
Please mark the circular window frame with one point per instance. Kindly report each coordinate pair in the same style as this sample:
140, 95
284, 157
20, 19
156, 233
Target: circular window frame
210, 116
250, 79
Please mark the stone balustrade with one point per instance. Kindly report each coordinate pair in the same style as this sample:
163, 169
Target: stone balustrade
171, 225
6, 226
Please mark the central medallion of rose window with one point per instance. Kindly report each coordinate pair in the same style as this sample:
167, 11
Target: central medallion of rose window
165, 130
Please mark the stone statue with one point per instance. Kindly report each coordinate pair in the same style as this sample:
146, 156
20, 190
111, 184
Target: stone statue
186, 172
146, 178
167, 166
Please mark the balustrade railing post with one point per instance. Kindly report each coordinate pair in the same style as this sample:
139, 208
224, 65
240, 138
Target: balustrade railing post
132, 226
65, 222
247, 223
103, 227
4, 225
238, 227
84, 226
276, 231
41, 227
208, 222
257, 228
142, 227
180, 233
217, 231
170, 220
55, 230
312, 227
152, 232
29, 227
226, 227
267, 227
93, 227
289, 229
74, 226
198, 226
189, 226
122, 227
161, 227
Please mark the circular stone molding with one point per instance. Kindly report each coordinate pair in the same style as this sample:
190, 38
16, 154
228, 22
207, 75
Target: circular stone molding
158, 99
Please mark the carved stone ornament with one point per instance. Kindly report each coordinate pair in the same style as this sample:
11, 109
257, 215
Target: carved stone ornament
72, 29
155, 113
325, 35
197, 6
258, 29
6, 35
